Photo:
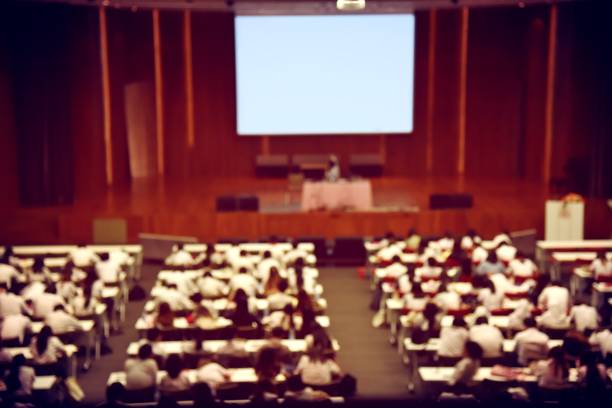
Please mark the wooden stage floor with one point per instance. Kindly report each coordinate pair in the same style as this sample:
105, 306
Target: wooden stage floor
168, 206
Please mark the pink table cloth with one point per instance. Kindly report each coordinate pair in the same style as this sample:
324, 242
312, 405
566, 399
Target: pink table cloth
343, 194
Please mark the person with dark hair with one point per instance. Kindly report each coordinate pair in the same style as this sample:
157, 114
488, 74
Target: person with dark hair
601, 267
84, 303
46, 348
141, 372
522, 267
317, 368
211, 373
592, 376
278, 300
275, 341
272, 281
108, 271
241, 316
584, 316
555, 302
552, 373
45, 302
267, 365
10, 303
447, 299
430, 270
61, 321
20, 379
489, 337
39, 272
203, 396
467, 368
165, 316
489, 296
265, 266
83, 257
531, 343
176, 379
8, 273
114, 392
309, 323
453, 338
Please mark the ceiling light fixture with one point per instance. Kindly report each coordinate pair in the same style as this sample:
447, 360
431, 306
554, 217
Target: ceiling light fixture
350, 5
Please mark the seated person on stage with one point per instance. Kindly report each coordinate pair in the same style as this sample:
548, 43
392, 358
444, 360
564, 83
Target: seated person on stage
601, 267
316, 368
210, 287
278, 300
467, 368
212, 373
176, 379
108, 271
83, 257
489, 337
15, 326
141, 372
45, 302
245, 282
333, 169
179, 257
46, 348
531, 343
453, 338
10, 303
165, 316
522, 267
555, 302
584, 317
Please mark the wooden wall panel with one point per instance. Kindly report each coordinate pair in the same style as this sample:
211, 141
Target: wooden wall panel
8, 160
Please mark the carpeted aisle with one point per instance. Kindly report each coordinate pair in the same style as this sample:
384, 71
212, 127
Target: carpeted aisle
365, 352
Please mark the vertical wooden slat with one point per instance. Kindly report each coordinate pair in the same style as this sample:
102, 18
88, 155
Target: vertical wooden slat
462, 89
431, 80
159, 95
382, 147
550, 92
188, 78
106, 98
265, 145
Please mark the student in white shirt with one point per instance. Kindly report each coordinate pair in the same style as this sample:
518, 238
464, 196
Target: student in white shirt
522, 267
243, 280
395, 269
447, 300
39, 271
489, 296
502, 238
108, 271
602, 339
453, 338
83, 257
141, 372
267, 263
179, 257
489, 337
243, 260
211, 288
8, 272
467, 368
429, 271
490, 266
278, 300
506, 253
20, 380
176, 299
61, 322
10, 303
601, 267
45, 302
84, 303
315, 368
584, 316
176, 379
15, 326
479, 255
531, 343
212, 373
555, 299
46, 348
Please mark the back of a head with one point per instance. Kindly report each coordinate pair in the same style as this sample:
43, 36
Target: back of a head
492, 257
179, 246
529, 322
283, 285
174, 365
145, 351
430, 261
482, 320
396, 259
267, 254
242, 270
555, 282
243, 253
164, 308
104, 256
202, 395
39, 264
459, 321
114, 392
473, 350
557, 354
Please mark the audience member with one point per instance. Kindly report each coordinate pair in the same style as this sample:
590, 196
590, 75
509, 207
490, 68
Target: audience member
176, 379
453, 338
489, 337
531, 343
141, 372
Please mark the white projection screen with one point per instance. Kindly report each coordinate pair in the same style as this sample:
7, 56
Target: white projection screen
324, 74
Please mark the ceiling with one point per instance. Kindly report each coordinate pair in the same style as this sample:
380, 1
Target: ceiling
297, 6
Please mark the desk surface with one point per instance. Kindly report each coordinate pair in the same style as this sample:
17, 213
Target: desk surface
568, 245
434, 344
443, 374
237, 375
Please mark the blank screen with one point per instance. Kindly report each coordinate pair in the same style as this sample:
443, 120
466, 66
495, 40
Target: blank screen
300, 75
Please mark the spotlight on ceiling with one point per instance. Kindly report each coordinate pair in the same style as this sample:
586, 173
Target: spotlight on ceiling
350, 5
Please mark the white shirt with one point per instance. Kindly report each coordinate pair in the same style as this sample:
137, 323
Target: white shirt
404, 284
525, 268
108, 271
119, 257
50, 355
83, 256
553, 320
603, 339
386, 254
263, 269
61, 322
584, 317
212, 374
211, 287
452, 341
479, 254
428, 272
278, 301
45, 303
531, 342
489, 299
506, 253
244, 281
175, 299
15, 326
467, 243
394, 270
490, 339
448, 300
10, 304
316, 373
600, 268
499, 238
521, 311
7, 272
180, 258
33, 290
140, 374
555, 299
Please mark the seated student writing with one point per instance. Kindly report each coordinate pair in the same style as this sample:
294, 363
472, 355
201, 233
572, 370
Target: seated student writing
453, 338
141, 372
488, 337
531, 343
467, 368
176, 379
316, 368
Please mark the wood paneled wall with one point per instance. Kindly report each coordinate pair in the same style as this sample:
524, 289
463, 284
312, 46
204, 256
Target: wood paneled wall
506, 75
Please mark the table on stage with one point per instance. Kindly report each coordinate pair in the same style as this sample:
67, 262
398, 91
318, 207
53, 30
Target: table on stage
354, 194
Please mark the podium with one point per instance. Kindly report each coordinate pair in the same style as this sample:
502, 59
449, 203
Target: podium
564, 221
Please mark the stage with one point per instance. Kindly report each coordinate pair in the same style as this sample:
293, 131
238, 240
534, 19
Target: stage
187, 208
